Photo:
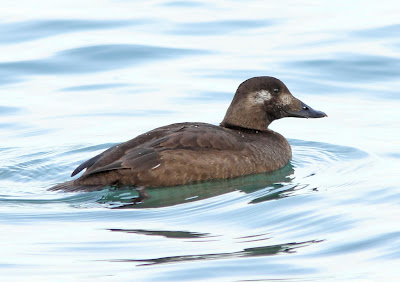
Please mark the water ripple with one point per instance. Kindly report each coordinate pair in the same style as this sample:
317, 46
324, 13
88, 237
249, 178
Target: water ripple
7, 110
352, 67
184, 4
389, 31
286, 248
34, 29
358, 245
310, 158
166, 234
91, 87
93, 59
219, 27
35, 164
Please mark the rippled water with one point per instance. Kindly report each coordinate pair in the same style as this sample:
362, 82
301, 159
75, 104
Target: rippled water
79, 77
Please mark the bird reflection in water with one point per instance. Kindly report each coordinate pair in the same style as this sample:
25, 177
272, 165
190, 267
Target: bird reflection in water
275, 185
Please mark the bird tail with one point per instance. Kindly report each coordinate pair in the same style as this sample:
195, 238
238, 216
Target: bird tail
70, 186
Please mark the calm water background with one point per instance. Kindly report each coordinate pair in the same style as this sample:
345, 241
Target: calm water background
79, 76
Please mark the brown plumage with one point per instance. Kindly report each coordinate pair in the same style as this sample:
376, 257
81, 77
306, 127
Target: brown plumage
185, 153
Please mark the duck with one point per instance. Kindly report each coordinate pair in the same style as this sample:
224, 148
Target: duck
192, 152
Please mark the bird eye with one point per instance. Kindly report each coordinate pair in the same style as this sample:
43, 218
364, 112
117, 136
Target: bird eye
276, 90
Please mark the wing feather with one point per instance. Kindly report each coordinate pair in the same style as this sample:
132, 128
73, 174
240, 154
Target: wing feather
143, 152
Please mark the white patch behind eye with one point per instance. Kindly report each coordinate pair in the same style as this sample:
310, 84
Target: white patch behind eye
286, 99
261, 96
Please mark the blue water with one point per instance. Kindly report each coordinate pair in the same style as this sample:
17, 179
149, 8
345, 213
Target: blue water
77, 77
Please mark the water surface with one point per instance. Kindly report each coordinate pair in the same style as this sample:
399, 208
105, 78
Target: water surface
73, 83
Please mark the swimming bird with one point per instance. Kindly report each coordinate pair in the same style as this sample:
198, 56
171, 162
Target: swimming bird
185, 153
